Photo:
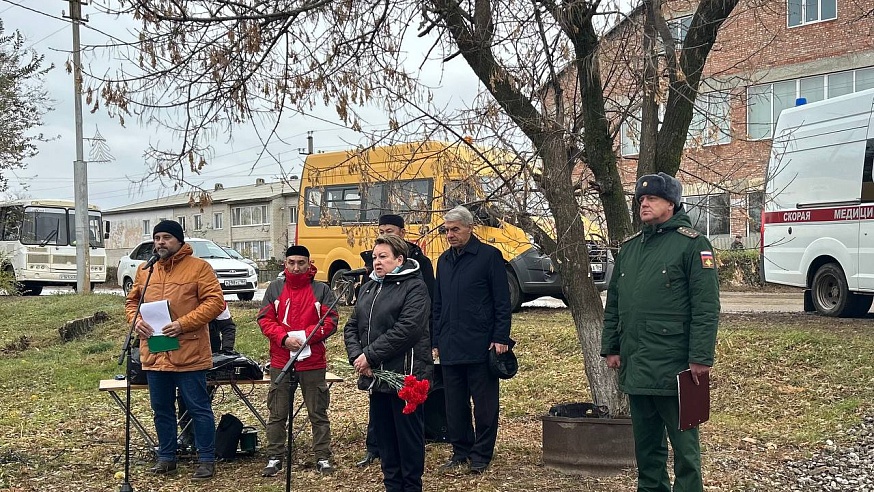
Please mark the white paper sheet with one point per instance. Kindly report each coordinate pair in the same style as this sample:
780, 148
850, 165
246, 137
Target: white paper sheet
302, 336
156, 314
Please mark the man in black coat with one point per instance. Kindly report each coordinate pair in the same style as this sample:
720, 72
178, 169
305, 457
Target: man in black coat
394, 224
471, 314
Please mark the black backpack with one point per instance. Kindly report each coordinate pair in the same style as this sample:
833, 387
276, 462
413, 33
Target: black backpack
135, 367
227, 437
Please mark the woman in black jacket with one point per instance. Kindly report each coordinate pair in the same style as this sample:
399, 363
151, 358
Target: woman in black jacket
388, 330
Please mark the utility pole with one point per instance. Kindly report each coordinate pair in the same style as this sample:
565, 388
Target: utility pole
80, 167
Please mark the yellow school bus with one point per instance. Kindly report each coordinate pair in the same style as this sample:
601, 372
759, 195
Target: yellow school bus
342, 195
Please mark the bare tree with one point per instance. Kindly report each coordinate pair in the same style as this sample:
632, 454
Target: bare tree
203, 66
23, 102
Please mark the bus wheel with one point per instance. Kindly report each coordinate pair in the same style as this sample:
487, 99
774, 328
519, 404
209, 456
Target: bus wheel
830, 293
343, 287
29, 289
515, 293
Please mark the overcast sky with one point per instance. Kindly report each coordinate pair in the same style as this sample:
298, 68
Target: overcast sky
50, 174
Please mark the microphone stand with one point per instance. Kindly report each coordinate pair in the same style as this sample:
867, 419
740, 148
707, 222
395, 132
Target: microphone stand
125, 355
289, 368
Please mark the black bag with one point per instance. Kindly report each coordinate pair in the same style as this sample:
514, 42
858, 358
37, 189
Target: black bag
227, 437
135, 371
579, 410
233, 367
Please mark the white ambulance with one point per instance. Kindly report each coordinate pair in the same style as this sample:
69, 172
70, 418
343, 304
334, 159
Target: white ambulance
818, 223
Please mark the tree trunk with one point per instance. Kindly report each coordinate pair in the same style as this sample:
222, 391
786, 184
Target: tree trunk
572, 261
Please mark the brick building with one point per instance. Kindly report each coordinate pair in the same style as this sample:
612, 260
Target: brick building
767, 54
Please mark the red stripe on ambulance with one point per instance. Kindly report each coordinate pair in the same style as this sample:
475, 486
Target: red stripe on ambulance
860, 212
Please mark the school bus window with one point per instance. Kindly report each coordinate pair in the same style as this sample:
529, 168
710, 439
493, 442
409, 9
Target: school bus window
373, 200
406, 197
457, 193
313, 206
343, 204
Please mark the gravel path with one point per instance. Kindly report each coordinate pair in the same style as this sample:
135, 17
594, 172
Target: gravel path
848, 467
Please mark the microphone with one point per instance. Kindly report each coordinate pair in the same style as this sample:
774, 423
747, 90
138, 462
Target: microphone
355, 273
154, 259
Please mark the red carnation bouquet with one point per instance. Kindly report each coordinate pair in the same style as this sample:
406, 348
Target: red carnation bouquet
413, 391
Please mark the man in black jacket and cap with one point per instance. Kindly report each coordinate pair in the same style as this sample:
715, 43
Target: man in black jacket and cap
394, 224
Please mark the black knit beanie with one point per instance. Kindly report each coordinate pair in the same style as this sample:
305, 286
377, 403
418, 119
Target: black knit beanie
172, 227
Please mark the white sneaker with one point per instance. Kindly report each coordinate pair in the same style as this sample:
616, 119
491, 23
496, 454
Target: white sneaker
272, 468
324, 466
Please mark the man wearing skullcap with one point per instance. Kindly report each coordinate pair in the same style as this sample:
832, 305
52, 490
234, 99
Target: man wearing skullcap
290, 312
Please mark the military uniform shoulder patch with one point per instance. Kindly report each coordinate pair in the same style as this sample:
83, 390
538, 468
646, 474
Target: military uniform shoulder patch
688, 232
707, 259
629, 238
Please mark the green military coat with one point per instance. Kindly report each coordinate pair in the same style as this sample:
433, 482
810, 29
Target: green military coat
662, 306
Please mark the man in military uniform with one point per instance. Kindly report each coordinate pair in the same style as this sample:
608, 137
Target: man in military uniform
661, 318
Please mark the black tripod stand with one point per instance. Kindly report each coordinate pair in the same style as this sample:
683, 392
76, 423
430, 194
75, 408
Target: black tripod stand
292, 375
122, 358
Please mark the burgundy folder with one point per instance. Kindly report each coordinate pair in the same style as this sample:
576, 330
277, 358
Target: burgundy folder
694, 400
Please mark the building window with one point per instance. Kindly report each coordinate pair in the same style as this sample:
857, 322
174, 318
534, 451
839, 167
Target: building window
198, 222
147, 227
755, 205
292, 215
765, 102
630, 135
181, 220
864, 79
710, 124
249, 216
256, 250
710, 214
800, 12
679, 27
217, 220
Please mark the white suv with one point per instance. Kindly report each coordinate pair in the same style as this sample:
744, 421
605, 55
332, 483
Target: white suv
234, 276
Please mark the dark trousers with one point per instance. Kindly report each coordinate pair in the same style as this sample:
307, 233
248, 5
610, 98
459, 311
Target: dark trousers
461, 383
652, 417
401, 442
162, 396
370, 440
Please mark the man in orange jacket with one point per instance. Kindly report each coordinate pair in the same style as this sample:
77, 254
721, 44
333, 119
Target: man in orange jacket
195, 298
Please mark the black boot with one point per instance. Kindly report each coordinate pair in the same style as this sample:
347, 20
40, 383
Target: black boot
368, 459
204, 471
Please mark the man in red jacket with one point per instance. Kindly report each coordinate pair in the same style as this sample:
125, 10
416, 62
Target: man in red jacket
289, 313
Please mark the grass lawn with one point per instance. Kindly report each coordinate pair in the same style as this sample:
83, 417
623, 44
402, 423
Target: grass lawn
782, 384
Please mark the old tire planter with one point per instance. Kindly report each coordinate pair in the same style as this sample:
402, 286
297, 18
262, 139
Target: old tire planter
589, 446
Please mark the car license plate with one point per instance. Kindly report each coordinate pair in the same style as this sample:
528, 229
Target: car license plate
235, 281
597, 267
67, 276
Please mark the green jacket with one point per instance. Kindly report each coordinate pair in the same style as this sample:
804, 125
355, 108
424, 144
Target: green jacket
662, 306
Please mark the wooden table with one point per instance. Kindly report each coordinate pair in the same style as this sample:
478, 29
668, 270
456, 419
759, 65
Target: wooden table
114, 386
